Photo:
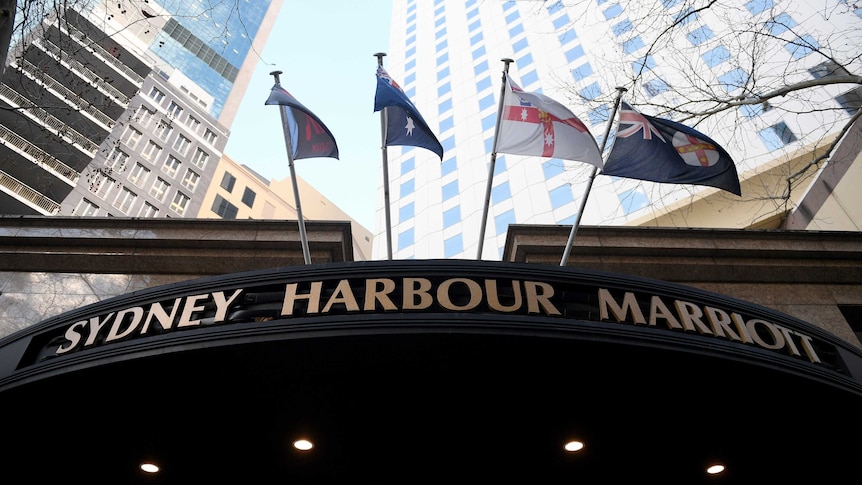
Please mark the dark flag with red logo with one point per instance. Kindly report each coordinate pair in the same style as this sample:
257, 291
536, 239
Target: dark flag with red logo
664, 151
310, 138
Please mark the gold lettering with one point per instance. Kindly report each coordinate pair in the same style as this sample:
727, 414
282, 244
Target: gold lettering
343, 294
190, 307
607, 302
721, 323
372, 295
73, 337
290, 296
494, 298
416, 296
539, 294
690, 315
95, 326
657, 309
165, 320
778, 339
740, 325
472, 286
223, 304
808, 348
137, 314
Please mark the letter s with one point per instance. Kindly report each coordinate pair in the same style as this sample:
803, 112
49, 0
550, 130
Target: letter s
73, 337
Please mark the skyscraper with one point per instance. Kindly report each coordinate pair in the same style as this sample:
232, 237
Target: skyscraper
447, 54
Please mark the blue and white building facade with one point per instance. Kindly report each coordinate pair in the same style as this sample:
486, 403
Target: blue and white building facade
447, 55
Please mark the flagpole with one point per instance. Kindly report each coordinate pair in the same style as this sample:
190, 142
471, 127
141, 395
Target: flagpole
568, 250
506, 62
383, 124
289, 146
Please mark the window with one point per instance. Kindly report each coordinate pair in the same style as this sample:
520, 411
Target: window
159, 189
450, 190
408, 165
157, 95
449, 166
501, 193
171, 166
561, 196
200, 158
453, 246
776, 136
179, 203
655, 87
622, 27
102, 185
190, 180
646, 62
144, 115
452, 216
164, 129
193, 123
407, 187
405, 239
592, 91
148, 210
248, 197
574, 53
716, 56
632, 44
633, 200
175, 110
131, 137
582, 72
502, 221
406, 212
117, 159
758, 6
699, 36
802, 46
224, 208
139, 175
613, 11
851, 101
181, 144
124, 200
86, 208
227, 182
551, 168
151, 151
210, 136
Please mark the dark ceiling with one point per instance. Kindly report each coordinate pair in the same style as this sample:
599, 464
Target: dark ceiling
418, 406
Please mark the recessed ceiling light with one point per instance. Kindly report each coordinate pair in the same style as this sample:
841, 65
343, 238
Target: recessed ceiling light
303, 445
574, 446
149, 467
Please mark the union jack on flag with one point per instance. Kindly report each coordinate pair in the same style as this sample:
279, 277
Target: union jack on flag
664, 151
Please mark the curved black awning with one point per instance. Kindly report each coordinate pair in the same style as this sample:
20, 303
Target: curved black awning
424, 371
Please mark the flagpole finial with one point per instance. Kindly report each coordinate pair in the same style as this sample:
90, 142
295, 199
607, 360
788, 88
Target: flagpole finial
275, 74
379, 56
622, 89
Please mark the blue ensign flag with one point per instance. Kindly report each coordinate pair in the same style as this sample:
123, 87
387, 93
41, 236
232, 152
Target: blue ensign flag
310, 137
405, 126
664, 151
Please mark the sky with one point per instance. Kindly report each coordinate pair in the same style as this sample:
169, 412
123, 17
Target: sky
325, 50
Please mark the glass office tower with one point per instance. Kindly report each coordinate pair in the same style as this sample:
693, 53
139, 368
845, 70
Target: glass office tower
447, 56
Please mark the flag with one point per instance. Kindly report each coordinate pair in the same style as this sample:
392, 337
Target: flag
665, 151
536, 125
405, 126
310, 137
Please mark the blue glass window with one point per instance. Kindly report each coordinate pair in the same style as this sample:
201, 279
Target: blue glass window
574, 53
440, 33
632, 200
701, 35
758, 6
632, 44
802, 47
444, 106
566, 37
443, 58
501, 193
622, 27
489, 144
448, 143
445, 88
551, 168
687, 16
405, 239
776, 136
514, 31
479, 52
410, 92
410, 40
733, 80
448, 166
410, 52
470, 3
515, 15
483, 84
486, 102
453, 246
499, 165
524, 61
561, 196
443, 73
472, 13
406, 212
480, 68
442, 45
407, 187
410, 65
655, 87
502, 221
591, 92
613, 11
476, 39
489, 121
520, 45
751, 110
599, 115
716, 56
440, 21
529, 78
781, 23
410, 79
561, 21
450, 190
447, 124
475, 25
646, 62
555, 7
581, 72
408, 165
411, 28
452, 216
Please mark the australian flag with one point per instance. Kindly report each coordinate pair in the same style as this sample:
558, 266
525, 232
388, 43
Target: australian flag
310, 137
660, 150
405, 126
